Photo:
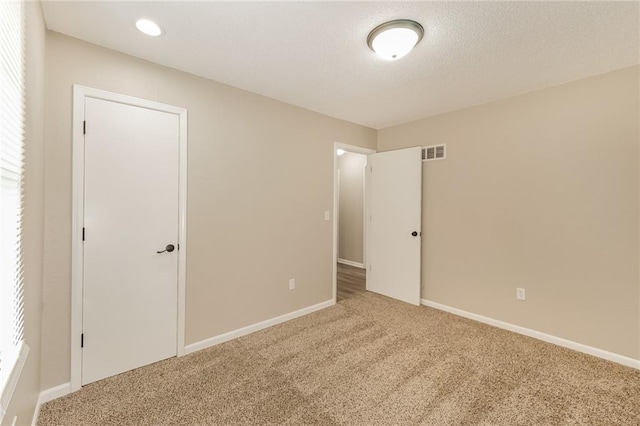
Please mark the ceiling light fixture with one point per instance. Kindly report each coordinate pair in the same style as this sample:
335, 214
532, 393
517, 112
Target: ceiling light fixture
340, 152
148, 27
394, 39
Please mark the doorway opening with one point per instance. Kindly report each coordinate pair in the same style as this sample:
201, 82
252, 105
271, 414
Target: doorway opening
350, 226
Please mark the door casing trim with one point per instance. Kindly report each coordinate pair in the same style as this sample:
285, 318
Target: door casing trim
80, 93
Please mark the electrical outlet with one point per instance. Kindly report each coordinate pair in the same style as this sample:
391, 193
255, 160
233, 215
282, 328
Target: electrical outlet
520, 294
292, 284
327, 215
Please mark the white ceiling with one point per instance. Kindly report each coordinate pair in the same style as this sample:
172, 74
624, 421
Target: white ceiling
315, 55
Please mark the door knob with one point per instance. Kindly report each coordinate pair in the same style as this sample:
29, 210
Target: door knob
414, 233
169, 248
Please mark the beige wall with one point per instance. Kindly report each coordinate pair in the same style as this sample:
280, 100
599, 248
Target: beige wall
26, 394
538, 191
351, 205
259, 178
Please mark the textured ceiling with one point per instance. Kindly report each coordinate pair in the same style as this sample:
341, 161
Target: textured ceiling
314, 54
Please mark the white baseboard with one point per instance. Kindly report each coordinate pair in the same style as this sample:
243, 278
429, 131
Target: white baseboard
216, 340
49, 395
351, 263
600, 353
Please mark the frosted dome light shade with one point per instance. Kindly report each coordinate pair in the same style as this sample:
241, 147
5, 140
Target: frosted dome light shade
394, 43
393, 40
149, 27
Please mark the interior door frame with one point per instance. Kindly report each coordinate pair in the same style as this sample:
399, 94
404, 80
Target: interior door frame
336, 193
80, 94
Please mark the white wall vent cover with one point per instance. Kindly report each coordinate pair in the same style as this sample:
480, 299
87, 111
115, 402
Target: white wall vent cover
435, 152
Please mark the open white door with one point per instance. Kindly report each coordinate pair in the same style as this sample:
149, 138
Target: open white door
131, 214
395, 213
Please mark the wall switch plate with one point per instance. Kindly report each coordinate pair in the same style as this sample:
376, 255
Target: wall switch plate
327, 215
520, 294
292, 284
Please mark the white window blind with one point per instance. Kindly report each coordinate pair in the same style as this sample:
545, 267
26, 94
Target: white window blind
11, 172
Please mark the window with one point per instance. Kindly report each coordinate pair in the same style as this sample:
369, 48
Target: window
11, 172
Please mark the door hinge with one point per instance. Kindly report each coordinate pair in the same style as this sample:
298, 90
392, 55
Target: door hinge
83, 234
82, 340
84, 127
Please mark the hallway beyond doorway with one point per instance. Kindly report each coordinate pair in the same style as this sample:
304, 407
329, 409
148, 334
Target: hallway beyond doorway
351, 281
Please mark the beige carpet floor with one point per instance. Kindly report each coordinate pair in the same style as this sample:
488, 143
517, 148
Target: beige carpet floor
368, 360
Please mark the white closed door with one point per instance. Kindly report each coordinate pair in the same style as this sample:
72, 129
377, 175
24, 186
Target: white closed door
130, 213
395, 214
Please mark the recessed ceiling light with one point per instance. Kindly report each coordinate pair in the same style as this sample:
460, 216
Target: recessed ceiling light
394, 39
149, 27
340, 151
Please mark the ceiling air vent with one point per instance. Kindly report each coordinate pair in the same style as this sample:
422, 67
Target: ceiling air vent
435, 152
